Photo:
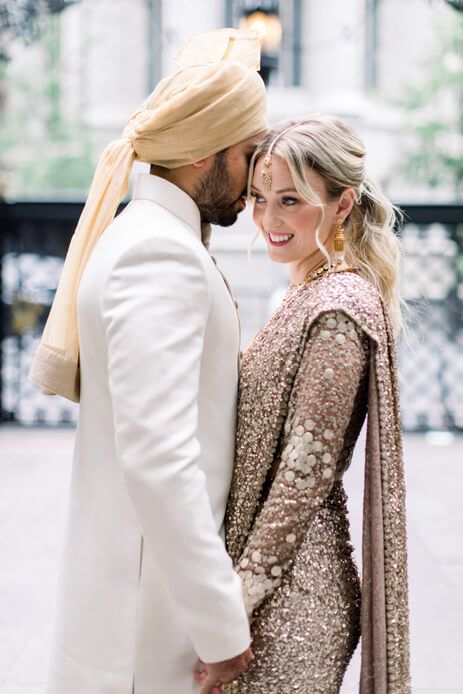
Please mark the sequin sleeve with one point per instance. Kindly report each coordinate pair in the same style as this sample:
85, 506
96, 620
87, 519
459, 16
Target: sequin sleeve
332, 369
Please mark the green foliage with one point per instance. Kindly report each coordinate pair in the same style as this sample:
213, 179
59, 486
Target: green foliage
45, 152
435, 114
59, 172
456, 4
21, 19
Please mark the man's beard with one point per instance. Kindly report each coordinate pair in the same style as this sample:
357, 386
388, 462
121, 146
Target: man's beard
212, 194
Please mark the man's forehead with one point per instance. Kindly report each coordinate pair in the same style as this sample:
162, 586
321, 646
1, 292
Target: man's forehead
257, 139
252, 142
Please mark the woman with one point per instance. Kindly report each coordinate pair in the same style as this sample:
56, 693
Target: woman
325, 357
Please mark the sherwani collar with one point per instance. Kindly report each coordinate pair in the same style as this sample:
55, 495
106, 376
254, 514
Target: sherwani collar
171, 197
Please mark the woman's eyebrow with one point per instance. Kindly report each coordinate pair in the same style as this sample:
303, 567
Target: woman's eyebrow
283, 190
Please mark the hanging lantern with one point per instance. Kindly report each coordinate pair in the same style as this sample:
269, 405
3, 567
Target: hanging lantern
268, 26
263, 18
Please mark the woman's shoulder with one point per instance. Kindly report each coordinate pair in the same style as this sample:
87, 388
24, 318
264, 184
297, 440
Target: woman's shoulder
349, 293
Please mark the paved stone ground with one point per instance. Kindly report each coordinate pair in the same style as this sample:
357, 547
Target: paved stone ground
34, 475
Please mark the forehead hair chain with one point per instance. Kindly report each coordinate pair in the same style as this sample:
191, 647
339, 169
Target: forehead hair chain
266, 173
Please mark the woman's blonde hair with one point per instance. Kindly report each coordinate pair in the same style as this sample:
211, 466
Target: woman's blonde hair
332, 149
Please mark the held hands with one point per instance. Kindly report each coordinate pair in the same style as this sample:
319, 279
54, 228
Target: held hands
211, 676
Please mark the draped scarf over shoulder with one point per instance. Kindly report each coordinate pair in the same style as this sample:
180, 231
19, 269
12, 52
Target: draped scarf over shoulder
384, 611
214, 101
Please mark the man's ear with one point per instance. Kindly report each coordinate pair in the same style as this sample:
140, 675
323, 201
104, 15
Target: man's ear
201, 163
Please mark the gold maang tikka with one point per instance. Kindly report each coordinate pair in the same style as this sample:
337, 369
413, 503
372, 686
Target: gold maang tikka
266, 173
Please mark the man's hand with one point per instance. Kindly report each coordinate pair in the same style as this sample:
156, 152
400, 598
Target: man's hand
216, 674
200, 674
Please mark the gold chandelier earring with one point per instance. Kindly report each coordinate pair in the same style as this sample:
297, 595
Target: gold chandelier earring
339, 243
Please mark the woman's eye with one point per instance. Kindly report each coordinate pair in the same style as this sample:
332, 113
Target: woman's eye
257, 198
289, 202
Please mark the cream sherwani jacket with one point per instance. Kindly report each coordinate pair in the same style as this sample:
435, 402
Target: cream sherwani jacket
147, 585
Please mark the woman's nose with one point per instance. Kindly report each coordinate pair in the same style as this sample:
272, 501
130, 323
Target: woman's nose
271, 219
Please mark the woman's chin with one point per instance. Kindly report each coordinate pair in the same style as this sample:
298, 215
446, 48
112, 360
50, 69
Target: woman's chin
277, 255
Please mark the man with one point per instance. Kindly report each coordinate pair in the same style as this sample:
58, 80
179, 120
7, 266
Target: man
147, 585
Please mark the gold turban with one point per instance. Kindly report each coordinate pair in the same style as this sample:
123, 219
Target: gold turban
214, 101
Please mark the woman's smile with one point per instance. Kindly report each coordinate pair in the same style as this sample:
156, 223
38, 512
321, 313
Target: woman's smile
279, 239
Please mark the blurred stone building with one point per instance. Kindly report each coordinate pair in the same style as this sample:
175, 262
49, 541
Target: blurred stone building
358, 59
355, 58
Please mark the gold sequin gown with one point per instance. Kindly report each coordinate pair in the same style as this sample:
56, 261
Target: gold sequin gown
303, 399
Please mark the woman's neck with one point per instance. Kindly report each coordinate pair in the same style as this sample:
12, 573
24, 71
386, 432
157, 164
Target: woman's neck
298, 270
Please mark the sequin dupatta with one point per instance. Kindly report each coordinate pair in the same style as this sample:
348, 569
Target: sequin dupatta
384, 614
